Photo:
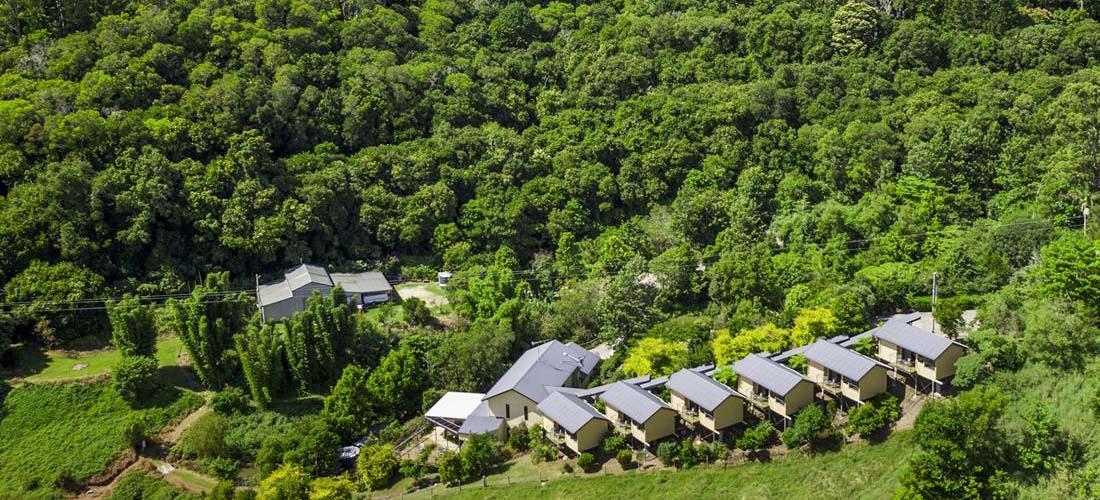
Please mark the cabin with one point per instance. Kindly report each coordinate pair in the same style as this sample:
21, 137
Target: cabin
705, 401
458, 415
917, 352
535, 375
844, 372
638, 413
772, 386
288, 297
575, 424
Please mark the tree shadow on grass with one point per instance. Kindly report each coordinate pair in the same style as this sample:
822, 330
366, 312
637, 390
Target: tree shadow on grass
832, 442
179, 376
23, 360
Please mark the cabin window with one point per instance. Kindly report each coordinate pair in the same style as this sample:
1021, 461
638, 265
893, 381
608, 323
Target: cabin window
507, 410
525, 412
928, 363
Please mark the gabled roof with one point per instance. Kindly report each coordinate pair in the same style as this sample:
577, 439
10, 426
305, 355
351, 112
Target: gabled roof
774, 376
546, 365
480, 425
365, 282
568, 411
455, 405
922, 342
275, 292
633, 401
844, 361
306, 274
700, 389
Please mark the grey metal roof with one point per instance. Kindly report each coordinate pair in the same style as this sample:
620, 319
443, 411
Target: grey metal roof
306, 274
365, 282
568, 411
455, 405
633, 401
788, 354
600, 389
844, 361
774, 376
546, 365
656, 383
700, 389
856, 338
922, 342
475, 424
275, 292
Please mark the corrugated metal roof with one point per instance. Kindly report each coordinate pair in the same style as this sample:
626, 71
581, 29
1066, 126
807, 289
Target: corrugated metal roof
844, 361
480, 425
455, 405
365, 282
633, 401
788, 354
306, 274
568, 411
700, 389
922, 342
275, 292
649, 385
774, 376
546, 365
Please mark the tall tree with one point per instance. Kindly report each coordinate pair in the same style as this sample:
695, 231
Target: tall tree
133, 327
261, 356
206, 322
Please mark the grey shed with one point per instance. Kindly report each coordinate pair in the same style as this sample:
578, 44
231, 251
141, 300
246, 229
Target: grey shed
846, 362
767, 373
568, 411
914, 339
633, 401
700, 389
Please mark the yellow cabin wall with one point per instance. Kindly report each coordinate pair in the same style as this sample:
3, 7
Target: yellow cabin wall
945, 364
588, 436
730, 412
517, 401
873, 383
661, 424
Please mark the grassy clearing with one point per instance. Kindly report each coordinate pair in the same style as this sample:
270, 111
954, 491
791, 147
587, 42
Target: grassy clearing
55, 366
856, 471
138, 485
192, 481
52, 431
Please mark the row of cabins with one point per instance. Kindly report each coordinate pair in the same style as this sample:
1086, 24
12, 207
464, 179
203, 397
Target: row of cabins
544, 388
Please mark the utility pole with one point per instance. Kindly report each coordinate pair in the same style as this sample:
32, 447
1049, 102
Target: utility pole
935, 294
1085, 213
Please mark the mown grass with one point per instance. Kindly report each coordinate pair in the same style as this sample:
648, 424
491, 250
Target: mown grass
857, 471
54, 431
59, 365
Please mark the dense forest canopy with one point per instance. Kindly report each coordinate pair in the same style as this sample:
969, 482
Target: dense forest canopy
764, 156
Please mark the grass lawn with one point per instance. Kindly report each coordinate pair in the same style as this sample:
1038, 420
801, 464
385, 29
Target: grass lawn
856, 471
51, 431
191, 481
59, 365
141, 485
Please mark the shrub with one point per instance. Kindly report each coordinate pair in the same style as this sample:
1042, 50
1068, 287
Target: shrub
287, 482
230, 401
756, 437
480, 453
223, 468
666, 452
206, 437
135, 378
625, 458
332, 488
586, 461
873, 416
416, 311
567, 468
543, 452
519, 439
376, 465
134, 431
613, 442
797, 363
808, 424
688, 456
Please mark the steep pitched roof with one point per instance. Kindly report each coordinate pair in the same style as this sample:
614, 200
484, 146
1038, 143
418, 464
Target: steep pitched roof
633, 401
568, 411
700, 389
306, 274
922, 342
365, 282
545, 366
844, 361
774, 376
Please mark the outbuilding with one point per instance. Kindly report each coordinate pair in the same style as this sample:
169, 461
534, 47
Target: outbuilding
772, 386
844, 372
708, 402
638, 413
575, 424
918, 352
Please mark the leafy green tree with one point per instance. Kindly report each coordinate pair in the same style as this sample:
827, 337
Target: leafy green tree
43, 287
873, 416
206, 437
962, 448
133, 328
288, 482
812, 324
1070, 270
1042, 443
855, 28
395, 385
318, 338
667, 452
416, 312
206, 322
573, 315
656, 357
768, 338
1058, 335
626, 308
135, 378
949, 315
474, 359
513, 26
376, 465
756, 437
349, 408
